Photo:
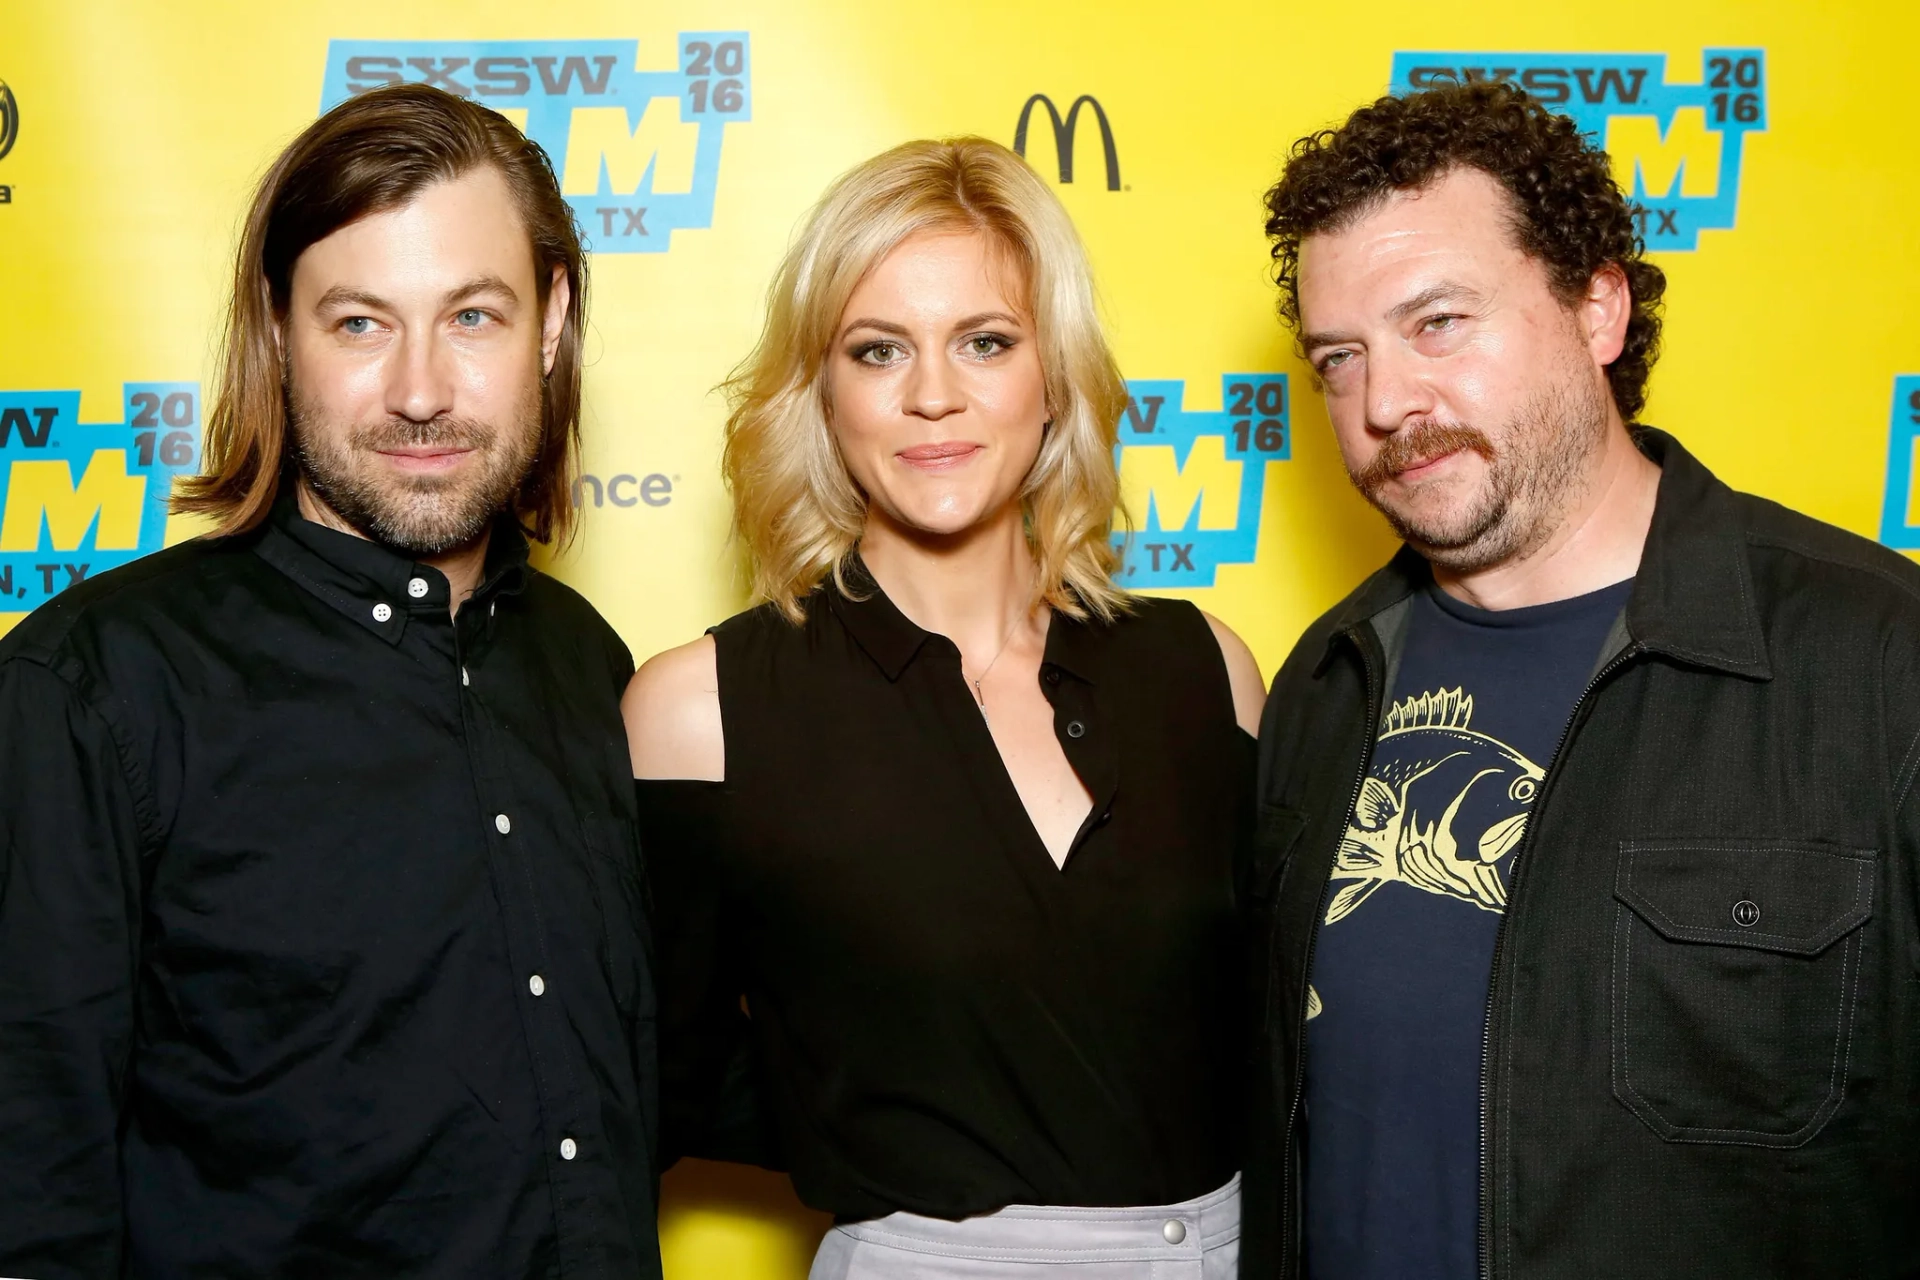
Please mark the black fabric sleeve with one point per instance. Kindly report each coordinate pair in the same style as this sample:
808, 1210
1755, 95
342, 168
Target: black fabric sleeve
69, 942
713, 1105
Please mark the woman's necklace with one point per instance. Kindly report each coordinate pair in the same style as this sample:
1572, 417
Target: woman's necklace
980, 695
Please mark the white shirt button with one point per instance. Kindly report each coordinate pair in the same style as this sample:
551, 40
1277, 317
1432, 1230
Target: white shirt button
569, 1148
383, 612
1175, 1231
537, 985
491, 608
464, 682
417, 587
502, 823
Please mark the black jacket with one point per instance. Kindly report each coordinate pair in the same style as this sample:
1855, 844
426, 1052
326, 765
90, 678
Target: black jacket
1703, 1039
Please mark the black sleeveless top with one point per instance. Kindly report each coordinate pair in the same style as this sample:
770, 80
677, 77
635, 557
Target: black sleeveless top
943, 1020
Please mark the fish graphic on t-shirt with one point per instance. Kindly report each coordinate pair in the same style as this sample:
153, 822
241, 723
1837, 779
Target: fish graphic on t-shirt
1439, 809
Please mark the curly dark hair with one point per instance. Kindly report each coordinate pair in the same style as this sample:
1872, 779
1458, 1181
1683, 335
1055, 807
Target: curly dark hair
1568, 211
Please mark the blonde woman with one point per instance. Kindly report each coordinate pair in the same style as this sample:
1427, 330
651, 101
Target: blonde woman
951, 815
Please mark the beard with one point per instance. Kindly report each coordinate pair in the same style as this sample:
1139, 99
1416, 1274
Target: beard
1531, 481
417, 516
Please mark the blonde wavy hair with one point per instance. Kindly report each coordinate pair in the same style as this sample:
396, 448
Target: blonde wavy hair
796, 509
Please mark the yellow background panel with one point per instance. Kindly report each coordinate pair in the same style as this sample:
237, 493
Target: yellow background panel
143, 126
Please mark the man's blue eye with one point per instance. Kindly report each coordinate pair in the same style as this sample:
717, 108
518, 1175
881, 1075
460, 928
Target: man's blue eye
471, 318
357, 325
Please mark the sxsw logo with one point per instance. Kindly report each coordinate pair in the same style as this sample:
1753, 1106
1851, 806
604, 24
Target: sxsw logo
638, 152
1193, 480
1898, 527
1676, 148
1065, 129
78, 498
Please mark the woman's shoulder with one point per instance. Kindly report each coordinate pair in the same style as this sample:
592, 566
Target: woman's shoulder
672, 712
762, 629
1158, 615
672, 706
761, 618
1175, 634
1148, 628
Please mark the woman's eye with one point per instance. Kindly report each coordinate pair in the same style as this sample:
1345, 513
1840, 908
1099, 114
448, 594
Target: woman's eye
357, 325
983, 345
471, 319
878, 353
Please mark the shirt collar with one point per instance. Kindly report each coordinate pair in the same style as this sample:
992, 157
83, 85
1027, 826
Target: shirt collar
377, 587
887, 635
893, 640
1693, 596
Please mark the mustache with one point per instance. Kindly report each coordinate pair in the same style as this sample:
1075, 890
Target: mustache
445, 430
1416, 444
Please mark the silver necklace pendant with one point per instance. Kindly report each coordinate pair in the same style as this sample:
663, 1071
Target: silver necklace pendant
979, 694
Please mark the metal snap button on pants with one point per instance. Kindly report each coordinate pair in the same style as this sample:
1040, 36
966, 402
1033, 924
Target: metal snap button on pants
1195, 1240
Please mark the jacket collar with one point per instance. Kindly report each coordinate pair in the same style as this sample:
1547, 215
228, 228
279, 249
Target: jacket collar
893, 640
374, 586
1693, 597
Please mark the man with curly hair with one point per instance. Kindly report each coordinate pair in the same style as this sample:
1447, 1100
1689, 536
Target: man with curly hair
1585, 898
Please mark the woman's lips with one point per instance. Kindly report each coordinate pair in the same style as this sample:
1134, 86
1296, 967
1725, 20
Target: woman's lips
944, 456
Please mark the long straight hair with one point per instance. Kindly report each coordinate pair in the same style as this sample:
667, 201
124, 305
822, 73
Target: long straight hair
795, 507
373, 153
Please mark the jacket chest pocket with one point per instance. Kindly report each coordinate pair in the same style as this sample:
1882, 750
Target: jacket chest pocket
1735, 970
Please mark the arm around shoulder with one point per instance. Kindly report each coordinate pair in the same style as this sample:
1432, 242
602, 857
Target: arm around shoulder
672, 710
1243, 674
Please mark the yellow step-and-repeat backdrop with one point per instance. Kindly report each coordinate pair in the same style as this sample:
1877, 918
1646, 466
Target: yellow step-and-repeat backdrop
1770, 144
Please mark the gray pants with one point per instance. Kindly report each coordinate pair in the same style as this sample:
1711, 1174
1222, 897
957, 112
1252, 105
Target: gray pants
1195, 1240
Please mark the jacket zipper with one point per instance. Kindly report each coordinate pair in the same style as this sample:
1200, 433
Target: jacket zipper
1288, 1193
1619, 660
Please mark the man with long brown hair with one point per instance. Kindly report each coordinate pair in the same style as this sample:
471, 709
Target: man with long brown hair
321, 937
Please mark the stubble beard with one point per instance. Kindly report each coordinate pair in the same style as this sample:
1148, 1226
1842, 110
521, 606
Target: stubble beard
1532, 479
417, 516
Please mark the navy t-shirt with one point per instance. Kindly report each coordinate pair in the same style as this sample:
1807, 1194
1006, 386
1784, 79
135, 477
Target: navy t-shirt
1396, 1008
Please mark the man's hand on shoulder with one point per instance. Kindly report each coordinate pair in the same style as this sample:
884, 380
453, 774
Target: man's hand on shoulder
672, 710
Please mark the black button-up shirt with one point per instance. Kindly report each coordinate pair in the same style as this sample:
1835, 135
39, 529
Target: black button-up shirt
946, 1021
322, 950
